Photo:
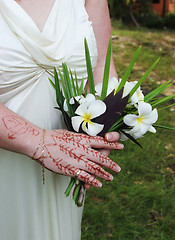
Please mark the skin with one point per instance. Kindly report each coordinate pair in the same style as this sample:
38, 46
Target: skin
63, 149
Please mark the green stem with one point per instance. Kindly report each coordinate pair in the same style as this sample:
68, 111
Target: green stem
77, 188
67, 192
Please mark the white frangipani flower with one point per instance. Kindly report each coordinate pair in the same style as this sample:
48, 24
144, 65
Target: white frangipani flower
137, 96
87, 112
143, 122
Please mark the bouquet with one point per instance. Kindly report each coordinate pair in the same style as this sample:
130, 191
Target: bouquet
113, 105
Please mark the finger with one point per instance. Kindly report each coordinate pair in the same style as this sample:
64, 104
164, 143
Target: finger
82, 175
87, 186
100, 159
112, 136
69, 170
105, 152
92, 168
89, 179
99, 142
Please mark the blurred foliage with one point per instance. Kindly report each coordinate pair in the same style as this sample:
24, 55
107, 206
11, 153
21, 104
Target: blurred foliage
139, 12
125, 9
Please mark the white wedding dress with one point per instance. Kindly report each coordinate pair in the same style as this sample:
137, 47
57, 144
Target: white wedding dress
30, 210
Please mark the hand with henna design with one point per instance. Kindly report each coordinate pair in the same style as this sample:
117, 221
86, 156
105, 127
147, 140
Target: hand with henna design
67, 152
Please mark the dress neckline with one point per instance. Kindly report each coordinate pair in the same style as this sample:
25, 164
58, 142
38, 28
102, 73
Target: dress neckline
32, 21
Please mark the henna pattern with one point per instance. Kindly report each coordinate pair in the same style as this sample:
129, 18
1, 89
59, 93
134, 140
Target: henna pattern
17, 125
70, 152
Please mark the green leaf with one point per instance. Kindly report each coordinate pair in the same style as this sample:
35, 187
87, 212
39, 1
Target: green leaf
164, 127
69, 188
52, 83
59, 95
70, 109
143, 78
86, 90
157, 91
128, 70
76, 82
89, 69
73, 84
67, 81
81, 86
163, 100
167, 107
106, 71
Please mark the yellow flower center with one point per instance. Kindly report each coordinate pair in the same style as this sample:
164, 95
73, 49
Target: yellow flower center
139, 119
87, 118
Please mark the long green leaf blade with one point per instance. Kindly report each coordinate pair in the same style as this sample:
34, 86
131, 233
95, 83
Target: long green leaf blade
67, 81
143, 78
81, 86
52, 83
59, 95
157, 91
89, 69
164, 100
164, 127
106, 71
129, 69
73, 83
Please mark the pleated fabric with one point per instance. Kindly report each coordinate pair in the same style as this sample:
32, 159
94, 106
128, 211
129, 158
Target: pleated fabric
29, 209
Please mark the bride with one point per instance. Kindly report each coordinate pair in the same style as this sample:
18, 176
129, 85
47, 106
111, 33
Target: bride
36, 36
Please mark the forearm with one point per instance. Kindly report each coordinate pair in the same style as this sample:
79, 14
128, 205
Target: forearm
16, 133
99, 15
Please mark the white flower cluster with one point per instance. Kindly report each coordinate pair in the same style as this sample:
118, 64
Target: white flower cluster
140, 123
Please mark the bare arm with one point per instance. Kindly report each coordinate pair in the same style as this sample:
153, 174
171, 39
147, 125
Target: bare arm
99, 15
17, 134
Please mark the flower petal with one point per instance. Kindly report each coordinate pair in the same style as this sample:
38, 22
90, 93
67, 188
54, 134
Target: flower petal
96, 108
130, 119
98, 89
76, 122
127, 88
123, 137
90, 98
144, 128
78, 98
65, 107
144, 108
94, 128
113, 83
152, 129
81, 110
137, 96
152, 117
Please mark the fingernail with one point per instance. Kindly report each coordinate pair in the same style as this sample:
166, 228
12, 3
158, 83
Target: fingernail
117, 168
120, 145
111, 178
99, 184
108, 137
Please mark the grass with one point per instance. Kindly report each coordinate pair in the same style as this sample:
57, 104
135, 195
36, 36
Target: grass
139, 203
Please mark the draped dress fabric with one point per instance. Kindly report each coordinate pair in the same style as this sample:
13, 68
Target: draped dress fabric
29, 209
